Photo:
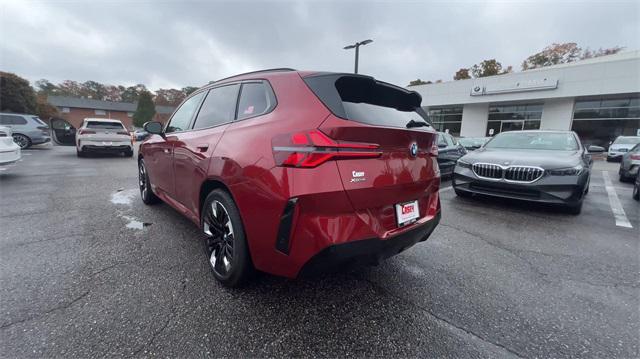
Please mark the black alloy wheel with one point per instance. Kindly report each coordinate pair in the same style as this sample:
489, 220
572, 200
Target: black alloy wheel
225, 242
147, 195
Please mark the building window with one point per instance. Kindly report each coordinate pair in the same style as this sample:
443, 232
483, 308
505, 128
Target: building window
100, 112
66, 110
129, 114
446, 119
599, 120
513, 117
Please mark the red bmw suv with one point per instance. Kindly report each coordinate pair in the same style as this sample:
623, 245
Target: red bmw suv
294, 173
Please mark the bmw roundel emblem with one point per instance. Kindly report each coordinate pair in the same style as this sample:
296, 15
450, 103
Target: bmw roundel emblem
413, 149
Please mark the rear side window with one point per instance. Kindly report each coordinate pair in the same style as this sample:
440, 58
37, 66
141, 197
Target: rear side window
12, 120
218, 107
256, 98
105, 125
363, 99
39, 121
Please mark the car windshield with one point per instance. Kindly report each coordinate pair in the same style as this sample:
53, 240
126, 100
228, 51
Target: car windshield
632, 140
472, 141
105, 125
558, 141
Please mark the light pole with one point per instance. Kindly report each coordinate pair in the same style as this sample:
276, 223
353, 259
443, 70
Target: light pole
357, 47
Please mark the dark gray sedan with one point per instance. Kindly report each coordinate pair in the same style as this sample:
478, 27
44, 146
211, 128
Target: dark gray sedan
541, 166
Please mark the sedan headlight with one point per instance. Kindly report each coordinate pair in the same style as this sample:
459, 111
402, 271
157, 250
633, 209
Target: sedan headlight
463, 164
569, 171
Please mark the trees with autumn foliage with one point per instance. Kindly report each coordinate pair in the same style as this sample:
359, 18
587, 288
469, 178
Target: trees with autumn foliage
555, 54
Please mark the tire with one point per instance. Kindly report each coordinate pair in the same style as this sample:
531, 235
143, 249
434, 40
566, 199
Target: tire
575, 209
636, 192
146, 193
586, 190
225, 241
80, 153
128, 153
22, 140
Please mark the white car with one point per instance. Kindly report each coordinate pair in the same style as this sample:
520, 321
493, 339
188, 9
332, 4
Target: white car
620, 146
9, 150
104, 136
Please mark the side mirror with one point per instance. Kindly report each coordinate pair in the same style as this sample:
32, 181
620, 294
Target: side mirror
595, 149
153, 127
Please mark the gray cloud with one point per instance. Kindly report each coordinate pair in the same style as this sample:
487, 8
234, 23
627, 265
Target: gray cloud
175, 44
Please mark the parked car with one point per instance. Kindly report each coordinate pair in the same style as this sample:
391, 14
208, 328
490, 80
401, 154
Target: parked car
473, 143
312, 172
620, 146
538, 166
140, 135
103, 135
636, 187
9, 150
630, 164
27, 129
449, 151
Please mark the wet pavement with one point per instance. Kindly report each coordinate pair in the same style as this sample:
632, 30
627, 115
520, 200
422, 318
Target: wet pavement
87, 270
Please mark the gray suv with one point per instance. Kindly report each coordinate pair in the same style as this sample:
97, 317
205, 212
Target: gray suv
27, 129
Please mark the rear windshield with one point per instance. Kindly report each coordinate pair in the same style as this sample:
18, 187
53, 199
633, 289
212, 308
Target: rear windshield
105, 125
363, 99
626, 140
557, 141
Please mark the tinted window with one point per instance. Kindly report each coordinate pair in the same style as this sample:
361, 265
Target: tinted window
535, 141
363, 99
255, 99
105, 125
218, 107
12, 120
181, 119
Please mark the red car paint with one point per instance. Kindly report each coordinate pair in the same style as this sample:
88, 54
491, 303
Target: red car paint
245, 157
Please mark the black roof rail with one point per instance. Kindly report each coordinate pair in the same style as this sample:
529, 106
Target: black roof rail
255, 72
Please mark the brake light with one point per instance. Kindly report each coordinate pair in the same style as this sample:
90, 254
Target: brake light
87, 132
635, 156
312, 148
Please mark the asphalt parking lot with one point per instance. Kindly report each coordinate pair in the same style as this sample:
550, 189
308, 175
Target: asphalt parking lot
86, 270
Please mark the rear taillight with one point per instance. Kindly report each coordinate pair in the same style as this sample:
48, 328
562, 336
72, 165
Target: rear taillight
312, 148
634, 156
87, 132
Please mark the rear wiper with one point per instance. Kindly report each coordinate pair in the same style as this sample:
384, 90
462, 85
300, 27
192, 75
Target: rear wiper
414, 123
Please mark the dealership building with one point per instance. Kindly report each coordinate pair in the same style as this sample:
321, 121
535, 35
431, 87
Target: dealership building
599, 98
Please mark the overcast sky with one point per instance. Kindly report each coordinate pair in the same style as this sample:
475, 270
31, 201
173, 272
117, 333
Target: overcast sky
172, 44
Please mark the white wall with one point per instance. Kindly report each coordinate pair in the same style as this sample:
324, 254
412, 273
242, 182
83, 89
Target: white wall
613, 74
557, 114
474, 120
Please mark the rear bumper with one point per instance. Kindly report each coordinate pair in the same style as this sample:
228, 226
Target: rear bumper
614, 156
367, 251
100, 146
565, 190
9, 157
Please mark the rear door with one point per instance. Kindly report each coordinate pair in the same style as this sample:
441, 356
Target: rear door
375, 115
192, 149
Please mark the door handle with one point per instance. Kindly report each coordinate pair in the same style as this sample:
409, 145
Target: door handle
202, 147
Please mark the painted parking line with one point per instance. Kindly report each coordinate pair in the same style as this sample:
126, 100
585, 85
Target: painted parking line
614, 202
